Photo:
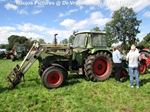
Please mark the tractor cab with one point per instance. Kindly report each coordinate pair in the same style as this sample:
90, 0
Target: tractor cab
88, 42
90, 39
19, 52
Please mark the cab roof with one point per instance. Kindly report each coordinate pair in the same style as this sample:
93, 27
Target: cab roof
98, 32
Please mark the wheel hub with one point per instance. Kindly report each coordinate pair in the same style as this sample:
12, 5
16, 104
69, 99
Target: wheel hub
99, 67
54, 78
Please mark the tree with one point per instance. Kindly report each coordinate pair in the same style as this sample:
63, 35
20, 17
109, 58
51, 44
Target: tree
72, 37
14, 40
29, 43
123, 27
95, 29
145, 43
110, 37
41, 41
64, 41
2, 46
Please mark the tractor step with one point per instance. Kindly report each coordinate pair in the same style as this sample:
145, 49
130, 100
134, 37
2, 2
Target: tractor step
14, 78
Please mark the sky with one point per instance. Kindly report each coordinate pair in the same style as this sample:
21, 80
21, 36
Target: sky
41, 19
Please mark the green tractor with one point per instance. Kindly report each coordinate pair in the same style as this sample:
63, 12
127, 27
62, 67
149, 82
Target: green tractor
19, 52
89, 55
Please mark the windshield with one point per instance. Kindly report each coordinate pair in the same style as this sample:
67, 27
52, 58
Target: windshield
21, 48
99, 40
79, 40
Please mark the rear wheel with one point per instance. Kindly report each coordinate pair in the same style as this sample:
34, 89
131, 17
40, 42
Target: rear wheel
142, 67
147, 56
124, 73
98, 67
53, 77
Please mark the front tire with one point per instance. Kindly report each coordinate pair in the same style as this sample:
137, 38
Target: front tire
98, 67
53, 77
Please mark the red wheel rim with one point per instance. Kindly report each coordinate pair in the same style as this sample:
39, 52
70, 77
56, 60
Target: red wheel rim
123, 73
101, 67
54, 78
147, 60
142, 68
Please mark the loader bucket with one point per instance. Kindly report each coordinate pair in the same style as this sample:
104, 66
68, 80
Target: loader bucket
14, 78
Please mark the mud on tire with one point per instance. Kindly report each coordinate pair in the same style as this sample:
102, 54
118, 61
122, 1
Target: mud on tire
98, 67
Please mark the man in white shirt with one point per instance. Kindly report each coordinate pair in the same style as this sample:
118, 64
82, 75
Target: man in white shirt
133, 59
117, 60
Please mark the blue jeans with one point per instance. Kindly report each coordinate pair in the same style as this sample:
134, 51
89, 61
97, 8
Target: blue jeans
134, 71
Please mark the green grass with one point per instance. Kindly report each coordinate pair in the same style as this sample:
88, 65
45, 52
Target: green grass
77, 95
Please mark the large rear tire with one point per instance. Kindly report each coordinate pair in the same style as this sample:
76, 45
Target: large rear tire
142, 67
98, 67
147, 56
124, 73
53, 77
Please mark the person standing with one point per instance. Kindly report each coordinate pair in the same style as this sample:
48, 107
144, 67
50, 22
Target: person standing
117, 60
133, 59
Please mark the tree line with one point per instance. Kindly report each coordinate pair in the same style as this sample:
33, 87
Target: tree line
15, 40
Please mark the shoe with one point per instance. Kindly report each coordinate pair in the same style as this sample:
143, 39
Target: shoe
132, 86
137, 87
117, 81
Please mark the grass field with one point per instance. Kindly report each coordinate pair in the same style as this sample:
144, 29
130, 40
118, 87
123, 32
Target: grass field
77, 95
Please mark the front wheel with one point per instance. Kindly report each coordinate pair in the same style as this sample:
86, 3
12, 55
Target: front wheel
53, 77
98, 67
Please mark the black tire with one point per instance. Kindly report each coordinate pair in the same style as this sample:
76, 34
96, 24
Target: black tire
147, 58
124, 73
40, 71
53, 77
98, 67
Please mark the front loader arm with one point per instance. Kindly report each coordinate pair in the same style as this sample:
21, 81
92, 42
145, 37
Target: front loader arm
14, 78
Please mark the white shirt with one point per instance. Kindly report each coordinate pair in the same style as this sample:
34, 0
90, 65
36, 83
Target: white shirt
117, 56
133, 58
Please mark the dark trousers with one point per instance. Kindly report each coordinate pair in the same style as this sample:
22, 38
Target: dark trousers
118, 69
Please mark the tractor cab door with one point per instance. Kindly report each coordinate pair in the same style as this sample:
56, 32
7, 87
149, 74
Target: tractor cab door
80, 48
